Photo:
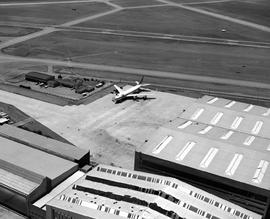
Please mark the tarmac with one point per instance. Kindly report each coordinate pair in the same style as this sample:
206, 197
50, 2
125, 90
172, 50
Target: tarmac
110, 131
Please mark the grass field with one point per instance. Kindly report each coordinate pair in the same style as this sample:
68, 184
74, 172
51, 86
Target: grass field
50, 14
173, 20
165, 55
257, 11
131, 3
11, 31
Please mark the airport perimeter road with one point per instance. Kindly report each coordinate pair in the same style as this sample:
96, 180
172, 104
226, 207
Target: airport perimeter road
132, 71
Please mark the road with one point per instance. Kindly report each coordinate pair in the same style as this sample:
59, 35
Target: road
126, 70
174, 37
133, 71
45, 3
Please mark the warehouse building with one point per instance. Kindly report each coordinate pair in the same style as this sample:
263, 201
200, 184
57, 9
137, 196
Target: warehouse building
219, 145
109, 193
48, 145
38, 77
27, 173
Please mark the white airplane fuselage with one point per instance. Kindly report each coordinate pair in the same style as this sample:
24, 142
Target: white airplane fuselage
124, 94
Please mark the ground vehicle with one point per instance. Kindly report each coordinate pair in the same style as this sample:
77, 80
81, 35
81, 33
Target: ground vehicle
100, 84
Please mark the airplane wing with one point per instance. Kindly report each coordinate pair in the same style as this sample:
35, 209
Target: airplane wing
118, 89
138, 95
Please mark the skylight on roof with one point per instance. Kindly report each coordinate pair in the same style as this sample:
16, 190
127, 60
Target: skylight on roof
236, 122
234, 164
208, 157
216, 118
230, 104
257, 127
249, 140
249, 108
185, 124
186, 149
212, 100
260, 171
197, 113
205, 130
162, 144
227, 135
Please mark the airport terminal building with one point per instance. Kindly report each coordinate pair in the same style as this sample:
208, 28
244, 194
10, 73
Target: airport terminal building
109, 193
219, 145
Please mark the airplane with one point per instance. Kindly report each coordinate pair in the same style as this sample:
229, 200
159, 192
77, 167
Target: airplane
131, 92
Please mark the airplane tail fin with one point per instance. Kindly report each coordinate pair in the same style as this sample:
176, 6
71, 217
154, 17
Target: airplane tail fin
141, 80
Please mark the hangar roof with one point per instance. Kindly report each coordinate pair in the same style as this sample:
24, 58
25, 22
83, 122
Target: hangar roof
229, 114
43, 143
34, 160
111, 192
218, 136
16, 182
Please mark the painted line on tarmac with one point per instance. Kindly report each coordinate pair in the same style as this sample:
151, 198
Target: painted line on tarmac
153, 73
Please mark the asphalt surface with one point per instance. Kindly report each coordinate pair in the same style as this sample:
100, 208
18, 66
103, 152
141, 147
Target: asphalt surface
152, 73
116, 8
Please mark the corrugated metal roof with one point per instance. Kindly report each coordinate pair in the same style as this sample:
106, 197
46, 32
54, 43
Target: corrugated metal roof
34, 160
224, 135
229, 114
235, 161
43, 143
168, 193
16, 182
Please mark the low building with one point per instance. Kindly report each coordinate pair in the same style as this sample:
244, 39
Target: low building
53, 83
66, 82
83, 89
48, 145
38, 77
219, 145
27, 173
110, 193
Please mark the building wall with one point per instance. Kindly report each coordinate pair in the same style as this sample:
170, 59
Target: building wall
56, 213
13, 200
249, 197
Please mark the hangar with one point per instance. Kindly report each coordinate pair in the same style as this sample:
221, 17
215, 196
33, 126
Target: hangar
48, 145
110, 193
219, 145
38, 77
27, 173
